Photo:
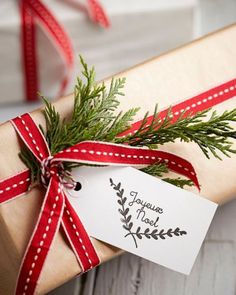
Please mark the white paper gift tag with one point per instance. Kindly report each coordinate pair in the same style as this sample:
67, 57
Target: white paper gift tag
142, 214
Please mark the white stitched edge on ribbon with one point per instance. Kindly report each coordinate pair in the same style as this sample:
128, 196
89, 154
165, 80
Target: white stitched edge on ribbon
29, 45
15, 185
41, 243
79, 238
31, 136
99, 153
53, 26
204, 100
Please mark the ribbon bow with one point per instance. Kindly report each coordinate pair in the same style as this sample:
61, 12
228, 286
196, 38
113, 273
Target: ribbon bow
56, 209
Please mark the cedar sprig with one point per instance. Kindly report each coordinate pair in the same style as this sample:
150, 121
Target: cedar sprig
95, 116
29, 159
179, 182
210, 134
160, 169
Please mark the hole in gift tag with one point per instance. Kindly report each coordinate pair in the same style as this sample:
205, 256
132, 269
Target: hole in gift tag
78, 186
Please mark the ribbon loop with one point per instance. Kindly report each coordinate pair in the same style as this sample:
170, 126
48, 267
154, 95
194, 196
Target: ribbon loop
104, 153
31, 136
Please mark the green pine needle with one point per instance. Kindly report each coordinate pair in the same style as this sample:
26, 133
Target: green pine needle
95, 117
160, 169
211, 135
179, 182
156, 169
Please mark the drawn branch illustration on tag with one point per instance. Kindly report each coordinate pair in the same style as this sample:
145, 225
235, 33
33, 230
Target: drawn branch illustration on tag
139, 233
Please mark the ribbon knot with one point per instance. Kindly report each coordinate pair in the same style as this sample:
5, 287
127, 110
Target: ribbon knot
50, 168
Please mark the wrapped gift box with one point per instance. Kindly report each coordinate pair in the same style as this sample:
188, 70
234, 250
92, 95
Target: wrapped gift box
168, 79
140, 29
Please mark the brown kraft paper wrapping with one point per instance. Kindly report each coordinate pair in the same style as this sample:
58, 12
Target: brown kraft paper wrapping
168, 79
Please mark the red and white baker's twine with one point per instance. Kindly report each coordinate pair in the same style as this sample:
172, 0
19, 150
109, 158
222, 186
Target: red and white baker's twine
33, 12
56, 209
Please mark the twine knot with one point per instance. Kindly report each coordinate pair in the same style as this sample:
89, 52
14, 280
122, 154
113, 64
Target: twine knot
50, 168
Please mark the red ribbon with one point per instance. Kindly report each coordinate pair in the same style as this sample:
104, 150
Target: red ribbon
194, 104
56, 210
33, 11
